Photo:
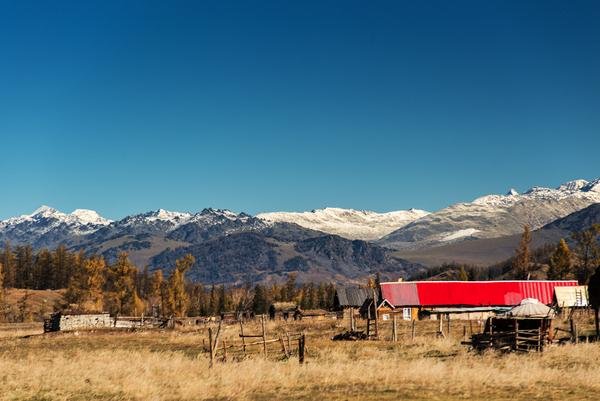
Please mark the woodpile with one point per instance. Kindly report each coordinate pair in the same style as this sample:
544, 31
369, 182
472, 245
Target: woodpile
351, 335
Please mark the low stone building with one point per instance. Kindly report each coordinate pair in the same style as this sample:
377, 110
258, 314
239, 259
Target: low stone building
65, 322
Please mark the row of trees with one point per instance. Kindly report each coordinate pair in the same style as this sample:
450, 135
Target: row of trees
563, 262
92, 284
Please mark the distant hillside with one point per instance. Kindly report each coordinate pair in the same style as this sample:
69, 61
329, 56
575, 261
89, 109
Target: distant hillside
488, 251
494, 216
253, 257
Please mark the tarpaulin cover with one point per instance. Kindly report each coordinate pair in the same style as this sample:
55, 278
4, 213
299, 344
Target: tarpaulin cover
470, 293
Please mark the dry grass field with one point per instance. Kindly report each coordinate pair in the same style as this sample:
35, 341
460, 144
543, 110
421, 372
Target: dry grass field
174, 365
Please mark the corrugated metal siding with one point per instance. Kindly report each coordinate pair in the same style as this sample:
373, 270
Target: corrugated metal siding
400, 294
352, 296
469, 293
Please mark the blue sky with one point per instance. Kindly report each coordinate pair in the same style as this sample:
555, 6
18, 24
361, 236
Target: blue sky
124, 107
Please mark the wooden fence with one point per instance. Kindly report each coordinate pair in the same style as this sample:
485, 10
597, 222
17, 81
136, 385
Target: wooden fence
259, 343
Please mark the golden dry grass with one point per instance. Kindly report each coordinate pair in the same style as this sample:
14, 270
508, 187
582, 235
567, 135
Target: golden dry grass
172, 365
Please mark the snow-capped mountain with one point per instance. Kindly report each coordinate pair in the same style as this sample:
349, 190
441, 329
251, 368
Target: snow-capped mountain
496, 215
47, 227
348, 223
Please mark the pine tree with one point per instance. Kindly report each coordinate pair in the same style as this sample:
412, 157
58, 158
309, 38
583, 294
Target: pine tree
587, 250
522, 256
260, 303
560, 262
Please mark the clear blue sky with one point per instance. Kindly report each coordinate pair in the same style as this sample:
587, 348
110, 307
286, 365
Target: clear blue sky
256, 106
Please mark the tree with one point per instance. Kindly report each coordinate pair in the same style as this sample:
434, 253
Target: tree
95, 275
158, 291
178, 300
260, 303
123, 294
1, 282
560, 262
522, 255
288, 292
587, 250
8, 261
462, 274
594, 295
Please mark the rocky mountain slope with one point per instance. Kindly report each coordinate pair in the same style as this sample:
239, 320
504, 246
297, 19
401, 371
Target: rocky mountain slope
495, 216
48, 227
488, 251
348, 223
229, 248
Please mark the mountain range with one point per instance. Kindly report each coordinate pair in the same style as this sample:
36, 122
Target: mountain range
327, 244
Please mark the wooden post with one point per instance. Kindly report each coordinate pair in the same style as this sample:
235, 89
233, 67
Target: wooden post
394, 330
376, 314
516, 334
243, 339
288, 340
464, 332
283, 348
264, 334
352, 323
414, 323
210, 346
301, 345
440, 324
224, 350
448, 324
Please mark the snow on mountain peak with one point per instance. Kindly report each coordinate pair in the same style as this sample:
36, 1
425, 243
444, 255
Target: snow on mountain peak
349, 223
87, 216
576, 188
44, 211
572, 186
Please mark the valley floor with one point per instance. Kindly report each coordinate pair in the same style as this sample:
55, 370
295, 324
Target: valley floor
174, 365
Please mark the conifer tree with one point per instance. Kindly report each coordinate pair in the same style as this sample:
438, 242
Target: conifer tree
123, 294
260, 303
8, 261
587, 250
522, 256
95, 275
178, 297
560, 262
158, 291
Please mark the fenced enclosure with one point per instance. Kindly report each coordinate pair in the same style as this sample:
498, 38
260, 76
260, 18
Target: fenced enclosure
284, 344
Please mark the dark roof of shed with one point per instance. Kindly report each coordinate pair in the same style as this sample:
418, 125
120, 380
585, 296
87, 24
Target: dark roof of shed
353, 296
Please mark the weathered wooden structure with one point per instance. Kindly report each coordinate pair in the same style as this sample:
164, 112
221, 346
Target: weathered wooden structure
513, 334
284, 310
524, 328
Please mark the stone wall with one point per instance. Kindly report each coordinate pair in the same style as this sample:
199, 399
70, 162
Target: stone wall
78, 322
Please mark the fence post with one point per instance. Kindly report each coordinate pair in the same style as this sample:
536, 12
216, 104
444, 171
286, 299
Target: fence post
243, 339
414, 323
394, 329
301, 345
210, 346
264, 334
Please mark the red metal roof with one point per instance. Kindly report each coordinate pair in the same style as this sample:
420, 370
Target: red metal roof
470, 293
